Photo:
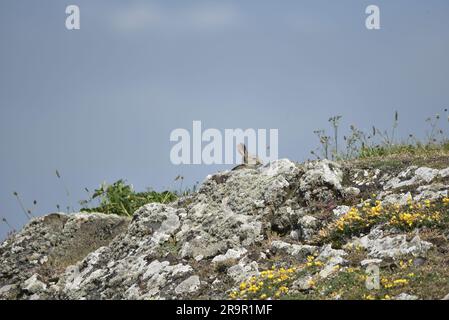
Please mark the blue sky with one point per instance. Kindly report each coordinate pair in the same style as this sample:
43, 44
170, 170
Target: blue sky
99, 104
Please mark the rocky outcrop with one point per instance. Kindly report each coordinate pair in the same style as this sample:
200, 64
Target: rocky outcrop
32, 259
205, 244
379, 246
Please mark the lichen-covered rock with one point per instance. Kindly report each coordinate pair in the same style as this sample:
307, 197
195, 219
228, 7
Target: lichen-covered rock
341, 210
230, 255
303, 283
414, 176
238, 224
368, 262
188, 286
49, 244
299, 252
128, 267
34, 285
405, 296
309, 226
243, 270
232, 209
379, 246
322, 181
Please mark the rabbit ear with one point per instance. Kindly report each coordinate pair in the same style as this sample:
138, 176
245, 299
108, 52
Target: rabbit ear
243, 152
242, 149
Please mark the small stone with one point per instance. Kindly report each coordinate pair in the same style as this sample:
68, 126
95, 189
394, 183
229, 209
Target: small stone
231, 254
426, 174
190, 285
243, 270
300, 252
43, 260
199, 258
381, 247
368, 262
33, 285
6, 289
327, 253
304, 283
444, 173
308, 222
341, 210
419, 261
295, 235
35, 297
405, 296
351, 192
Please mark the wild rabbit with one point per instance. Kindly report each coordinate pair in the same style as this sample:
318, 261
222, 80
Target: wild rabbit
249, 160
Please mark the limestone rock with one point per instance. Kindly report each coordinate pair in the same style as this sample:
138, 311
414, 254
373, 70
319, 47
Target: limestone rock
243, 270
231, 254
379, 246
202, 246
405, 296
322, 181
190, 285
300, 252
54, 242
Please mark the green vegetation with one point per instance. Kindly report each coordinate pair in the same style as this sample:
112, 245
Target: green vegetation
404, 149
415, 276
121, 199
117, 198
359, 144
424, 277
430, 214
270, 284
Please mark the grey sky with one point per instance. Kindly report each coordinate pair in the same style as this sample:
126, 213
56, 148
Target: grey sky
99, 103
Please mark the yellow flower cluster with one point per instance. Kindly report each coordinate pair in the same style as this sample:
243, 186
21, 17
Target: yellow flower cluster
349, 219
371, 297
405, 264
360, 218
415, 214
311, 262
387, 284
269, 284
446, 201
393, 283
371, 212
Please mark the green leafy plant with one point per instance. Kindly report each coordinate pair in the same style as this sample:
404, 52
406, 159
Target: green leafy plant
121, 199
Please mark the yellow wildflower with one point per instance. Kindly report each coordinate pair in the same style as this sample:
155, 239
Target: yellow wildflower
400, 282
